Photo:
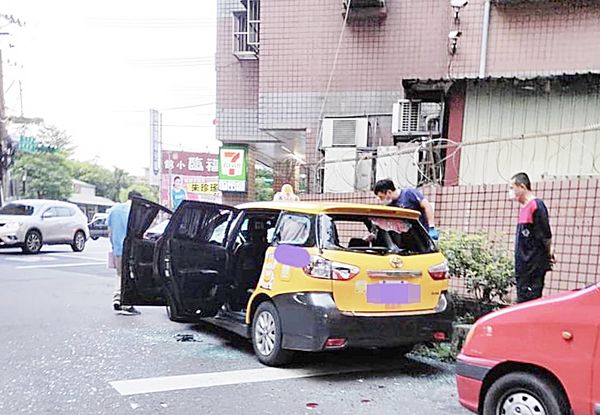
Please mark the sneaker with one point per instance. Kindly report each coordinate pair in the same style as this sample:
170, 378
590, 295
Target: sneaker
117, 306
129, 311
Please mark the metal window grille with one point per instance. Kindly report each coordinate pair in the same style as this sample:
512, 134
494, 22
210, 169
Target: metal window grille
246, 29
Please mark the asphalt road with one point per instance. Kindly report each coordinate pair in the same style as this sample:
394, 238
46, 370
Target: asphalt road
64, 351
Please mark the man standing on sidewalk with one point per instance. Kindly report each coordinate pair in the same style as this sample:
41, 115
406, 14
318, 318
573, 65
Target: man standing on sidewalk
407, 198
533, 241
118, 217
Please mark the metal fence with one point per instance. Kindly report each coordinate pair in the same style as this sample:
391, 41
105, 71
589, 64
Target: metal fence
574, 218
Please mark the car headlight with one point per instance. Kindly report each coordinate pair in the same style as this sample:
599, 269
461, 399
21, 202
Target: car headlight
12, 227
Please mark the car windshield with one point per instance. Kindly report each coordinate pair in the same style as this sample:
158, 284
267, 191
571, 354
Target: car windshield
374, 235
17, 209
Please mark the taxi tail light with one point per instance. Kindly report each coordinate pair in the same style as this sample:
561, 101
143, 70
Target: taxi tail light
335, 343
326, 269
439, 271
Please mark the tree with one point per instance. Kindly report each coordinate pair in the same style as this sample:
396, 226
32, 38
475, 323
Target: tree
50, 135
90, 172
147, 191
264, 183
120, 180
44, 176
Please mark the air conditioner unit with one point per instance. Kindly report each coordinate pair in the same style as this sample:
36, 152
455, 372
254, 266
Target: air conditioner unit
397, 163
347, 170
417, 118
345, 132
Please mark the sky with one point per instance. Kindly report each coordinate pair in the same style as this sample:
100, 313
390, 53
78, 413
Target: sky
95, 69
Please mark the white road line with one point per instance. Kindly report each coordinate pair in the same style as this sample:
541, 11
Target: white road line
80, 264
30, 259
77, 256
207, 380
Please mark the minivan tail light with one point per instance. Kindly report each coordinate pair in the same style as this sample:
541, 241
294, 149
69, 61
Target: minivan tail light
323, 268
440, 271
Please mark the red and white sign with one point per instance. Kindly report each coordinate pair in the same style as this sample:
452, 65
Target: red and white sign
196, 173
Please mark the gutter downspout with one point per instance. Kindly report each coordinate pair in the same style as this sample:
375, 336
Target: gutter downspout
484, 38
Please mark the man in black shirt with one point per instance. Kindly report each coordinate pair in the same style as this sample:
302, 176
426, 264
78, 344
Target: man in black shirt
533, 241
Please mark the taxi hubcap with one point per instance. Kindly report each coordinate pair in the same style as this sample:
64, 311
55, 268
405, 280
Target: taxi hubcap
264, 333
521, 403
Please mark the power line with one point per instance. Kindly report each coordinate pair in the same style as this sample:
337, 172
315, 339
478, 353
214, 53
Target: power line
187, 107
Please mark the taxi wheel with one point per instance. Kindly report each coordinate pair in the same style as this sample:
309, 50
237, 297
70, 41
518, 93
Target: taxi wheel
525, 393
267, 338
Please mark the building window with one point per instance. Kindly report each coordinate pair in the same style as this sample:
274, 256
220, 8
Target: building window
246, 30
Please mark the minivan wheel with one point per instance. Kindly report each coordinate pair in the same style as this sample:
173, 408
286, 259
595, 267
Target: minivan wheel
266, 336
522, 393
33, 242
94, 238
78, 244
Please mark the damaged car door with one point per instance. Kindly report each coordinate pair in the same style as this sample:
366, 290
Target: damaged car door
193, 259
140, 280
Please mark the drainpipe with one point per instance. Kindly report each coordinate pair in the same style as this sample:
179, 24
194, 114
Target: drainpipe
484, 38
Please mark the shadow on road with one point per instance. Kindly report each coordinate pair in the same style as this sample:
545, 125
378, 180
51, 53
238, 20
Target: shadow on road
379, 365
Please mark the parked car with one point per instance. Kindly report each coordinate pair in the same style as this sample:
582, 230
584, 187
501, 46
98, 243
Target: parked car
292, 277
540, 357
98, 226
29, 224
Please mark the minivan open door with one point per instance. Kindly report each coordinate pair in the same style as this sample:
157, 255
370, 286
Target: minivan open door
193, 259
140, 280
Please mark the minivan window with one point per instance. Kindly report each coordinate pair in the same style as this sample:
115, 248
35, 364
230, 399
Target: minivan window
376, 235
17, 209
294, 229
204, 225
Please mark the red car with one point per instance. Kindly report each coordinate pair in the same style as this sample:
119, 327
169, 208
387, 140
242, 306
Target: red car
536, 358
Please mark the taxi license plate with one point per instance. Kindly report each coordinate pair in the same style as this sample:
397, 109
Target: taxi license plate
393, 293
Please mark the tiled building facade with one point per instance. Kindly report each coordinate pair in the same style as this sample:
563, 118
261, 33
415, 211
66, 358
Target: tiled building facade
313, 64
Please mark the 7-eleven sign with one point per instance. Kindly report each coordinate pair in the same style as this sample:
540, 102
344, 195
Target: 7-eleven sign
232, 169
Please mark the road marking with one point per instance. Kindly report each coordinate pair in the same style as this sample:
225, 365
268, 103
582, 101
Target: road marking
30, 259
77, 256
80, 264
207, 380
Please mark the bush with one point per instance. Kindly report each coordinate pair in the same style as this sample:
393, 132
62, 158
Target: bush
485, 267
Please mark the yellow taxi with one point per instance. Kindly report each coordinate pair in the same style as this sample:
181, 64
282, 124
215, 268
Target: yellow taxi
291, 277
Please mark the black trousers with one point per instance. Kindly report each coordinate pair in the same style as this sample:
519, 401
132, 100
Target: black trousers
530, 286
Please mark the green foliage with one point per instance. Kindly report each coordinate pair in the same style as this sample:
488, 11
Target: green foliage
120, 180
483, 264
50, 136
47, 176
92, 173
264, 184
148, 192
438, 351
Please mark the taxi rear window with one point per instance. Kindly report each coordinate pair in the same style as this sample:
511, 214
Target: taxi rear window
374, 235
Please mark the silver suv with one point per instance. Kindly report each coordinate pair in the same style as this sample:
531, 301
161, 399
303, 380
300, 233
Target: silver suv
29, 224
